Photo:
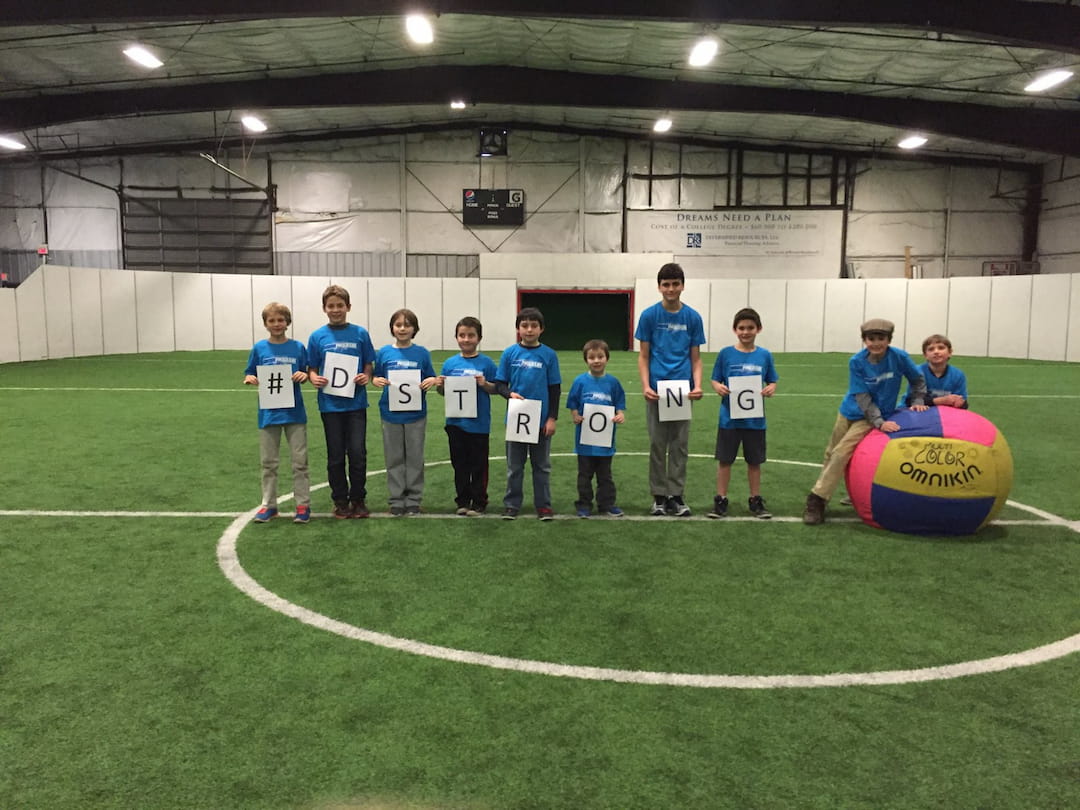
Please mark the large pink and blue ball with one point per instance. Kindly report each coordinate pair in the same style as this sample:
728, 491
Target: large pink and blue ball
946, 471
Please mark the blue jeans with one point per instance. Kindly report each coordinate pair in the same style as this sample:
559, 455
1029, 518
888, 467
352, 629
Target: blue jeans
540, 453
346, 437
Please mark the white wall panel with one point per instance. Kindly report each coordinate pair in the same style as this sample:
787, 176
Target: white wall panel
86, 326
927, 313
769, 298
307, 309
385, 295
232, 311
969, 315
844, 302
118, 316
804, 327
30, 299
153, 298
424, 296
1010, 313
57, 291
265, 289
1049, 306
699, 296
726, 297
193, 312
498, 308
460, 297
887, 298
1072, 353
9, 327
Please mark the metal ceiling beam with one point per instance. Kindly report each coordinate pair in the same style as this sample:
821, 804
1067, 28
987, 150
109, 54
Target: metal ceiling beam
1043, 130
1046, 25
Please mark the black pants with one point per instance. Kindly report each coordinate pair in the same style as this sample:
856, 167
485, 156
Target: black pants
600, 466
346, 437
469, 458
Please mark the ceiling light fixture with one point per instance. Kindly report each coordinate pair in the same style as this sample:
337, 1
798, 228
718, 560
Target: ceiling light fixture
704, 52
11, 143
419, 29
912, 142
457, 104
141, 56
1048, 80
662, 125
253, 124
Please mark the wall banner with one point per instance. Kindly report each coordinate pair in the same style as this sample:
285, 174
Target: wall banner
758, 232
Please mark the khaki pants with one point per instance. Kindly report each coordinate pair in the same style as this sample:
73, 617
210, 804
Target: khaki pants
669, 449
846, 434
270, 449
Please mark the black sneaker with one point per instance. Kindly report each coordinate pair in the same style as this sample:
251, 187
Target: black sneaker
676, 507
659, 506
342, 510
757, 508
719, 509
359, 510
509, 514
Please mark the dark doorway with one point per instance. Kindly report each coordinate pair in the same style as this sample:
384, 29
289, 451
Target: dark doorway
572, 317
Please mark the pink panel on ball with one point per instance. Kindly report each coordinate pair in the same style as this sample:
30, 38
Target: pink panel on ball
859, 475
960, 424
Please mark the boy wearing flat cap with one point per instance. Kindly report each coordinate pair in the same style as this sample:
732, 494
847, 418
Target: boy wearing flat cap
875, 375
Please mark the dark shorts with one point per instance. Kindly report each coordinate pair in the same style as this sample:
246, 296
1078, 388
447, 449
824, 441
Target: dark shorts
729, 439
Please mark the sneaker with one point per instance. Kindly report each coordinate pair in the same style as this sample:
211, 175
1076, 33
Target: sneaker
461, 510
815, 510
719, 509
509, 514
545, 513
359, 509
473, 512
659, 506
303, 514
676, 507
412, 510
583, 512
614, 512
342, 510
846, 501
757, 508
266, 514
397, 511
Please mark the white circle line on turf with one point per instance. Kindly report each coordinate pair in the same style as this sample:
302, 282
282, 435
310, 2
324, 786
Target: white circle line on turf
229, 562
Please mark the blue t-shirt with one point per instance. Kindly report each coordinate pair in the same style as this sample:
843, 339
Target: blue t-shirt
390, 358
346, 339
880, 380
291, 353
605, 390
670, 336
458, 366
731, 362
529, 371
952, 381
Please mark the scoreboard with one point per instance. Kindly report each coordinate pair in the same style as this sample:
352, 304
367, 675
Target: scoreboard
499, 206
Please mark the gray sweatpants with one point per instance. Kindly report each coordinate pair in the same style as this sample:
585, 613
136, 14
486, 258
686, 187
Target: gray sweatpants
403, 446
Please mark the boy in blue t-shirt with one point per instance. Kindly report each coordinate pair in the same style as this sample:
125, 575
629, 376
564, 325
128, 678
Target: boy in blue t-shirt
744, 359
670, 335
874, 378
278, 350
403, 431
946, 385
598, 387
469, 437
530, 370
344, 418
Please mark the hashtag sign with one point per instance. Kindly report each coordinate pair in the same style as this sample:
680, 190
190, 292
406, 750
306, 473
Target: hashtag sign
275, 390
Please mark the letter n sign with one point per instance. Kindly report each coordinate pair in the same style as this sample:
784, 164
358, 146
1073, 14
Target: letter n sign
674, 400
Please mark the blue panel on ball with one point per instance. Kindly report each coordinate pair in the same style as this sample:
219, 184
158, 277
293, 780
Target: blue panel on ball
917, 423
918, 514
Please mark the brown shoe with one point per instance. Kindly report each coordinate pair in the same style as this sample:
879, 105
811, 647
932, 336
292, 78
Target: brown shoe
342, 510
815, 510
358, 509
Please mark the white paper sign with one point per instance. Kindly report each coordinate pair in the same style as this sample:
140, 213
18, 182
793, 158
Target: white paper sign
341, 369
674, 400
598, 430
460, 397
405, 389
745, 400
523, 421
275, 387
